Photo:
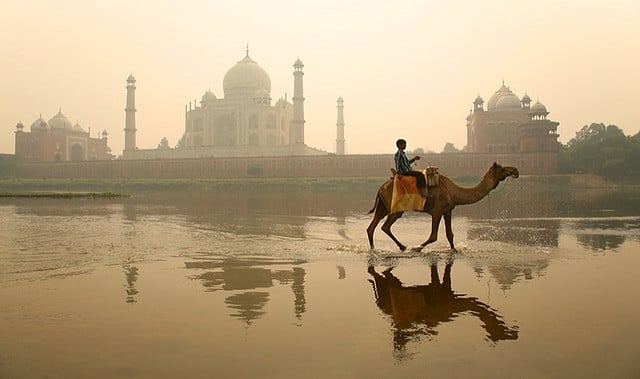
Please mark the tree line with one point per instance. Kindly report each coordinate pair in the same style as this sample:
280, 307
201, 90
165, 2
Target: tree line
601, 150
598, 149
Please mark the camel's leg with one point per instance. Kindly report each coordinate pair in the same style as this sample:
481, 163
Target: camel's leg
386, 227
435, 278
435, 224
379, 214
449, 229
446, 281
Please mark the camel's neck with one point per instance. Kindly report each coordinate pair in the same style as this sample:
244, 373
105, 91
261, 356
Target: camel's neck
462, 195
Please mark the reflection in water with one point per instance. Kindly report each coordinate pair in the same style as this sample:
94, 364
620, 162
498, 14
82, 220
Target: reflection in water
249, 305
600, 242
528, 232
416, 311
605, 233
131, 274
270, 213
244, 276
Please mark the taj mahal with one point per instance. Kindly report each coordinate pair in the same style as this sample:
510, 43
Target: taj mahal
243, 123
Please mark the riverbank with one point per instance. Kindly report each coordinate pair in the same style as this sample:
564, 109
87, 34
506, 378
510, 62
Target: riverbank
63, 195
337, 184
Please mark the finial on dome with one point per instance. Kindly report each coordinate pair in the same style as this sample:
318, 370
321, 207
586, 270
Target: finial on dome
247, 48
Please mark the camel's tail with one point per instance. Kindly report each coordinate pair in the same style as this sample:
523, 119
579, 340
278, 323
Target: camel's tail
375, 205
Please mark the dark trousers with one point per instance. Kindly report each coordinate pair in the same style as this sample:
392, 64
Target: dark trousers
420, 179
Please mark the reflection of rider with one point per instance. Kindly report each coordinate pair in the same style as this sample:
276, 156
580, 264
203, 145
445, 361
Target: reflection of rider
431, 305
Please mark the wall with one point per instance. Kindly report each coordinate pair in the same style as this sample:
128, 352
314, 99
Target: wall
281, 167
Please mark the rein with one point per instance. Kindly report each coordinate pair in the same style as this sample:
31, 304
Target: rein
500, 186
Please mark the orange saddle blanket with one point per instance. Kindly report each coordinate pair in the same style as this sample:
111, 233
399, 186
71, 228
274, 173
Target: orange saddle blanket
406, 196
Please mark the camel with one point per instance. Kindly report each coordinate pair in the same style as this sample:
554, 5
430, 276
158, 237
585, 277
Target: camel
417, 310
442, 200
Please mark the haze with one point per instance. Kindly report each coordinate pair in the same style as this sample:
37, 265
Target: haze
405, 69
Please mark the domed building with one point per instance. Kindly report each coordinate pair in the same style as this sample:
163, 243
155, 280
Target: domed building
510, 125
59, 140
241, 123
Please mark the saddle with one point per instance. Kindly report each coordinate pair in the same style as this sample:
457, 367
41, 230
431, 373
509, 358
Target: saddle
431, 172
406, 196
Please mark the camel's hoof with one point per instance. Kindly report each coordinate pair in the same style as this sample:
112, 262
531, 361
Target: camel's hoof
402, 248
417, 249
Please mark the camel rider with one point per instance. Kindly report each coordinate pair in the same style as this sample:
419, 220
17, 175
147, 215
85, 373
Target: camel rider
403, 166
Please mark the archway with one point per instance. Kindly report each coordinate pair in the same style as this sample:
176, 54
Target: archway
77, 152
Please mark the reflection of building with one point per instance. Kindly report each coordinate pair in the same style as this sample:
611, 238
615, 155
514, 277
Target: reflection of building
510, 125
538, 233
518, 232
59, 140
242, 123
131, 273
243, 277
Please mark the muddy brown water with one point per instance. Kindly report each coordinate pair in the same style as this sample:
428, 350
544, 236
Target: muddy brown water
204, 285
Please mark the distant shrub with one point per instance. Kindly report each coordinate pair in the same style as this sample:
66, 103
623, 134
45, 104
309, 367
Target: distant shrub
255, 170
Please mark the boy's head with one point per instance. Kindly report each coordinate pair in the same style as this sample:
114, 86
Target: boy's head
401, 143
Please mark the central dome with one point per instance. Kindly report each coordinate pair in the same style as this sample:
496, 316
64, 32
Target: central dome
508, 101
60, 122
500, 93
245, 78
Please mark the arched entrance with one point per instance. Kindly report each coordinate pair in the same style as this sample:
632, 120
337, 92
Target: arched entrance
225, 132
77, 153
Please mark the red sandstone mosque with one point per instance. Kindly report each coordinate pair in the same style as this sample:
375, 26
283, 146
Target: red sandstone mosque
510, 125
59, 140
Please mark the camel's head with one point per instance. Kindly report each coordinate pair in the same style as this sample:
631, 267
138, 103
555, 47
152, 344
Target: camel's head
503, 172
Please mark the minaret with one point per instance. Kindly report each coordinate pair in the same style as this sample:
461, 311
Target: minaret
340, 125
297, 123
130, 112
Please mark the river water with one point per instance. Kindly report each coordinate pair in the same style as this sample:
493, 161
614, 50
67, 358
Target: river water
250, 284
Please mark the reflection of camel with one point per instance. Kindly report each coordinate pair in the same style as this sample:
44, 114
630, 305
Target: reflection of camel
418, 310
446, 196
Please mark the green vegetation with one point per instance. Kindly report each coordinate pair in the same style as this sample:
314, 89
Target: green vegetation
602, 150
63, 195
237, 184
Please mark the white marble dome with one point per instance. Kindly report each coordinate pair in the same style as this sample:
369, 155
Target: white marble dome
245, 78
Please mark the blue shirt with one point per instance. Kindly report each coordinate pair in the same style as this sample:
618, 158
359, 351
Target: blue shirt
403, 165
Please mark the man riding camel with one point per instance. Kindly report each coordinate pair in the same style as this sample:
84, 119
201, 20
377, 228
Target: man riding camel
403, 167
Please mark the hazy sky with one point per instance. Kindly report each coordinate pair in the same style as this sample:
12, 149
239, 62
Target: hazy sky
404, 68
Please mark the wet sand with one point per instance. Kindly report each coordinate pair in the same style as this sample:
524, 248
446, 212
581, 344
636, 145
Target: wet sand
153, 287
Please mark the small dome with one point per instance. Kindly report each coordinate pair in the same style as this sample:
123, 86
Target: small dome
104, 134
538, 108
508, 101
39, 124
340, 100
262, 94
245, 78
78, 128
526, 98
208, 97
131, 78
60, 122
298, 64
19, 125
478, 100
